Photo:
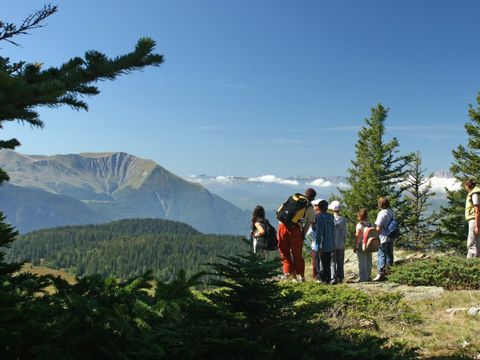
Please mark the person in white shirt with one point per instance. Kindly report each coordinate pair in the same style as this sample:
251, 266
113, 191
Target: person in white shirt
338, 256
310, 237
385, 251
472, 215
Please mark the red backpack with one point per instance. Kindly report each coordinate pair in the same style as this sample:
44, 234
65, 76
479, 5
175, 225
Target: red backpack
371, 239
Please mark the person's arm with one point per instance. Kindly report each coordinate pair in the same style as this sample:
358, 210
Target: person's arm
378, 222
476, 231
259, 230
476, 206
357, 238
309, 220
305, 230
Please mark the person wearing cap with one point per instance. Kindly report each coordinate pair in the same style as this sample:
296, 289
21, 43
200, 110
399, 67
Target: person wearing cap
324, 236
472, 215
340, 235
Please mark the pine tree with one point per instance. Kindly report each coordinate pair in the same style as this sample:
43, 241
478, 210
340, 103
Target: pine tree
25, 317
378, 169
247, 290
467, 159
453, 228
418, 226
26, 86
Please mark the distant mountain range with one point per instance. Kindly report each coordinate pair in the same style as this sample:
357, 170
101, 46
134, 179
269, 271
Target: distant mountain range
270, 191
92, 188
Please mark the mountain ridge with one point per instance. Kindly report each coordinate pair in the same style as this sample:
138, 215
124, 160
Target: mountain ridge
119, 185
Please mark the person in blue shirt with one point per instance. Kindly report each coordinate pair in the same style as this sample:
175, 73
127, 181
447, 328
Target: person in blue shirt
325, 239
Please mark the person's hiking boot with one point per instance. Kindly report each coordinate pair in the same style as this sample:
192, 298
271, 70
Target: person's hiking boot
379, 277
298, 279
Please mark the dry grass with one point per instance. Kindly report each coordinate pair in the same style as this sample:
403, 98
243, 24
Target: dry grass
441, 333
41, 270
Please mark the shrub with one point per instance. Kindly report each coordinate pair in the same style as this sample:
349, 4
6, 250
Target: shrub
449, 272
344, 307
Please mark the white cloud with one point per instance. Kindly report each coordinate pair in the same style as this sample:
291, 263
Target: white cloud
440, 183
224, 179
343, 185
272, 179
193, 178
321, 183
325, 183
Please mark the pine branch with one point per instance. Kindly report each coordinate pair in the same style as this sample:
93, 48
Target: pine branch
33, 21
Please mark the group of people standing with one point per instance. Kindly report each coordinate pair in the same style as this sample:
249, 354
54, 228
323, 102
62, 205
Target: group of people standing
325, 229
323, 226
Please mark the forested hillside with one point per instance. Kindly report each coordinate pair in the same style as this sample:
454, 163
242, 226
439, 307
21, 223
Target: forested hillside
125, 248
30, 209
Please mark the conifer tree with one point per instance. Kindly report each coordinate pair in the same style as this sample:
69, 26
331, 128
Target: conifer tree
377, 170
24, 87
26, 318
247, 289
418, 226
453, 227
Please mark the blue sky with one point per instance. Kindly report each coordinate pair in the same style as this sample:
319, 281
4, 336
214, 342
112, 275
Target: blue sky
260, 87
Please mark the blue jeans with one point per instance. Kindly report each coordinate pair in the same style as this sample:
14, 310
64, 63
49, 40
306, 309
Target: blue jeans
338, 258
326, 260
385, 255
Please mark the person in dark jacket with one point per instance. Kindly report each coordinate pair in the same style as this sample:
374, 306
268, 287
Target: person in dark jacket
325, 238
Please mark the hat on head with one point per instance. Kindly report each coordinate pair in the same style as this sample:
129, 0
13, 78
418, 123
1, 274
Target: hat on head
316, 202
334, 205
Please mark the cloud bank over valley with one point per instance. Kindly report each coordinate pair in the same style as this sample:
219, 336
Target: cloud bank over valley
270, 190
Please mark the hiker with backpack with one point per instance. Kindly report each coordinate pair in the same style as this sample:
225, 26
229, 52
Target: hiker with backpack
472, 215
263, 233
364, 256
325, 238
340, 235
296, 216
387, 228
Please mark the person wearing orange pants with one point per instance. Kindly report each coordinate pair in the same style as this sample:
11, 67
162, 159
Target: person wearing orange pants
290, 244
290, 241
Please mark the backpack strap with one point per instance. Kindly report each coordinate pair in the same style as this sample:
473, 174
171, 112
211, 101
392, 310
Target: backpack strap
365, 224
392, 217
